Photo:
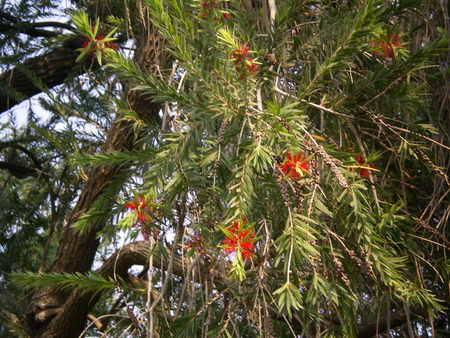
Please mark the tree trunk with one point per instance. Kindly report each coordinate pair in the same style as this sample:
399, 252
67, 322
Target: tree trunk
53, 313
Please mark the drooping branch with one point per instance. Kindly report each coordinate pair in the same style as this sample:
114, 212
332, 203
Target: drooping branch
137, 253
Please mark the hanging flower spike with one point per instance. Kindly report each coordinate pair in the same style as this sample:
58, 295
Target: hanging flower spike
363, 172
239, 239
295, 167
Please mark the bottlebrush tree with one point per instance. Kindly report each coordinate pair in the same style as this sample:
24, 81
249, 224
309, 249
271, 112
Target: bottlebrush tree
295, 182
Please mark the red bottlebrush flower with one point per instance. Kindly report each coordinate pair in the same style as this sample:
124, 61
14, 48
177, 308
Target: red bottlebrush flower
145, 214
253, 67
295, 166
141, 205
387, 47
241, 53
86, 43
241, 239
363, 172
211, 8
243, 63
98, 44
205, 4
95, 43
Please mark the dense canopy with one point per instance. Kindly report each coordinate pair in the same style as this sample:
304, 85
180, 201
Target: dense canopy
224, 168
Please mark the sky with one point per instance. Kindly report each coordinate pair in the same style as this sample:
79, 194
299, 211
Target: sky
19, 114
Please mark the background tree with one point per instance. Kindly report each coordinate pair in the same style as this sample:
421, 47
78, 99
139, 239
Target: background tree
286, 166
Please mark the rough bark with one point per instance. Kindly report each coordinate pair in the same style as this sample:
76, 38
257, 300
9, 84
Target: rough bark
55, 314
51, 68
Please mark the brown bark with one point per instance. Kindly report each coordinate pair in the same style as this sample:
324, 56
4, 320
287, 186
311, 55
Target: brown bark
137, 253
51, 68
52, 313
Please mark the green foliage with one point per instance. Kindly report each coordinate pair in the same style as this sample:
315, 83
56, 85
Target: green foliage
289, 298
360, 233
86, 283
324, 71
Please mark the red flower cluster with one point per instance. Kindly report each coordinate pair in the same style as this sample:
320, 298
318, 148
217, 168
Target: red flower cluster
211, 8
363, 172
98, 44
387, 47
243, 63
145, 213
197, 243
241, 239
295, 166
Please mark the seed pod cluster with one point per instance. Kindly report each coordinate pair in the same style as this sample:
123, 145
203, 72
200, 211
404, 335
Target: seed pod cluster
339, 270
299, 196
333, 163
281, 185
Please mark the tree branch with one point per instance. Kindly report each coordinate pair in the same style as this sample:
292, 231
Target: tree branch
52, 68
392, 320
18, 169
137, 253
28, 30
53, 24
